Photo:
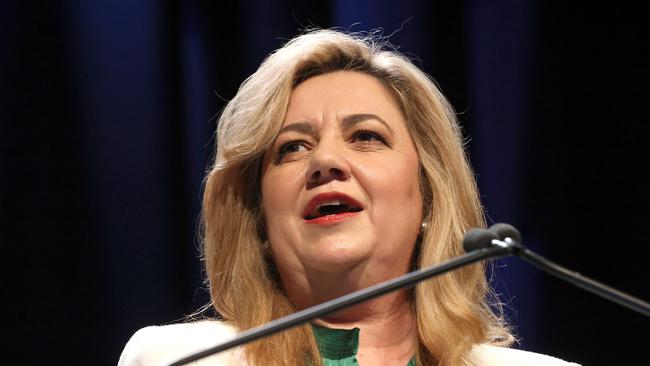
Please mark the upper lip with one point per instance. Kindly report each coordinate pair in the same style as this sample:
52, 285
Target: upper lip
322, 198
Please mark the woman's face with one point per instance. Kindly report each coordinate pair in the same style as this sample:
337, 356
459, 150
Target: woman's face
340, 185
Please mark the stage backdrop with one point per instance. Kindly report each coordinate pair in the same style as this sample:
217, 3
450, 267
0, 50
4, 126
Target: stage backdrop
107, 118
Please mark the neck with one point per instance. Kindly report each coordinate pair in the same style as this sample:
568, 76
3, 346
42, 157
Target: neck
389, 313
309, 286
388, 333
387, 329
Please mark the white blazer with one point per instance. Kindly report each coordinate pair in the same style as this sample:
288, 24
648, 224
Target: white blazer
162, 345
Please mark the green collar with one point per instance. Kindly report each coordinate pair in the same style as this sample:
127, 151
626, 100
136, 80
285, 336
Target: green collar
339, 347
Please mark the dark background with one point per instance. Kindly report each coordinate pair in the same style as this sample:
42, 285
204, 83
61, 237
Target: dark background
107, 116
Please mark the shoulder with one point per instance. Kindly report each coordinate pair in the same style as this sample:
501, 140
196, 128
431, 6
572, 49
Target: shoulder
500, 356
161, 345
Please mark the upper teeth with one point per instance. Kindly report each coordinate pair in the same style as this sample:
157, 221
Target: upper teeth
331, 203
317, 210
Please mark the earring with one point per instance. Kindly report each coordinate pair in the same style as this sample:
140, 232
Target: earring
423, 226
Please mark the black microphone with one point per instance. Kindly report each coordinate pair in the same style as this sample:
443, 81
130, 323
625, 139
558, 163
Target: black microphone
478, 240
509, 236
498, 241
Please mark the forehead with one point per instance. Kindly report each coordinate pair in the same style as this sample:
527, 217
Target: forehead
341, 93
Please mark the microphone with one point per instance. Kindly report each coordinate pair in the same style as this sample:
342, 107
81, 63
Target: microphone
478, 240
499, 240
507, 235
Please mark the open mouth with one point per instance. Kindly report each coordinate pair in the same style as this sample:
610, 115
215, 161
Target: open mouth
331, 208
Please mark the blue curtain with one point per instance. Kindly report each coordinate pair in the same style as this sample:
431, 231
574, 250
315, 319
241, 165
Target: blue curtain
108, 114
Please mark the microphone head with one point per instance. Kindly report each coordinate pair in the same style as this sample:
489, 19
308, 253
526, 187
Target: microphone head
503, 231
478, 239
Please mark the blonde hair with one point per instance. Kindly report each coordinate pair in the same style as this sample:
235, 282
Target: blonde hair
453, 312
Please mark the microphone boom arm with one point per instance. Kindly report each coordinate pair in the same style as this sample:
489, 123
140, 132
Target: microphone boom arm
499, 241
577, 279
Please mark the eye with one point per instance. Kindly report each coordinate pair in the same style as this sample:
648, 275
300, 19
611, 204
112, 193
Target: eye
369, 137
290, 148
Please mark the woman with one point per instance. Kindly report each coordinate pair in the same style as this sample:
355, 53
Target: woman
339, 165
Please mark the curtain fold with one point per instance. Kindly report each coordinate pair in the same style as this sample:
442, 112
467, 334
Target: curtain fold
107, 122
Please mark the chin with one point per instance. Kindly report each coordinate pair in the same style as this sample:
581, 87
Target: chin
331, 256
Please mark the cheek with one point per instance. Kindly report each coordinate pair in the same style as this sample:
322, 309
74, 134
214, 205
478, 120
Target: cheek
274, 202
280, 192
395, 192
405, 191
398, 180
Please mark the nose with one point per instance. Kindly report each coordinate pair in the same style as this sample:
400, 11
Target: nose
327, 163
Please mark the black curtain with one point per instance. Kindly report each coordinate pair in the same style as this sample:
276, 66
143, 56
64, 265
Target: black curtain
107, 118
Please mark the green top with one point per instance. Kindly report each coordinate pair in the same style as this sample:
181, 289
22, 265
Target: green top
339, 346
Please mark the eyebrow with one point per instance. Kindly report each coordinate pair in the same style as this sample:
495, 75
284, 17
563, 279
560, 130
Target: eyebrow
301, 127
348, 122
353, 119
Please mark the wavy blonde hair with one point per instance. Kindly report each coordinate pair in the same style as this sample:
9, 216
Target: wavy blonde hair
453, 312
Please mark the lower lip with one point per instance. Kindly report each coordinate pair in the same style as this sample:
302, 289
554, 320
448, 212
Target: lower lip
331, 219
